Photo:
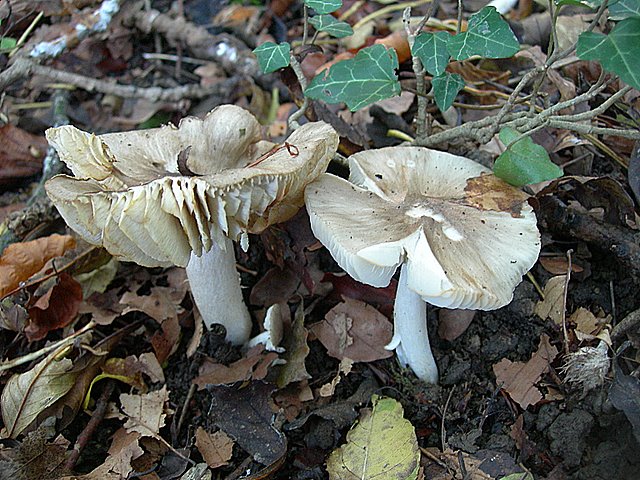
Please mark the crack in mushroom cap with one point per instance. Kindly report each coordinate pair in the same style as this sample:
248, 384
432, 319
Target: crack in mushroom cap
467, 236
131, 194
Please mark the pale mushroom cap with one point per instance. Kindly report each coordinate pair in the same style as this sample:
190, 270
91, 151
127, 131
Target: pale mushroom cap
467, 237
154, 196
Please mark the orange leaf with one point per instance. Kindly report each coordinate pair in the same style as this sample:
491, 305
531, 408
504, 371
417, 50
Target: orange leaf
398, 41
21, 260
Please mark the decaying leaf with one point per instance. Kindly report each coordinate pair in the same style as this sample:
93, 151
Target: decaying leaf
453, 323
19, 261
57, 308
296, 352
625, 396
146, 412
97, 280
253, 366
35, 457
21, 154
123, 450
551, 306
245, 415
482, 465
216, 448
328, 389
367, 454
519, 379
27, 394
355, 330
559, 265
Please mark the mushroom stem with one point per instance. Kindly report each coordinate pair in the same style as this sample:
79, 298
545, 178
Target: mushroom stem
216, 291
410, 336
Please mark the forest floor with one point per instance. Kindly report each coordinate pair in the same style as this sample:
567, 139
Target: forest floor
106, 369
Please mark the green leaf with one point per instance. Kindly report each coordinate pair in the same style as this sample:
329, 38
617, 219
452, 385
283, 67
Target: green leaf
487, 35
579, 3
323, 6
617, 52
524, 162
431, 49
624, 9
331, 25
381, 445
272, 56
7, 43
446, 88
360, 81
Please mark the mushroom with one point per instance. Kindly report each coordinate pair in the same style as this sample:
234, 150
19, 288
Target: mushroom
273, 330
464, 237
180, 195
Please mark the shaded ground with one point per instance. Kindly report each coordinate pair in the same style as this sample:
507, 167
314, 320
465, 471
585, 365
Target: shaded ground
278, 421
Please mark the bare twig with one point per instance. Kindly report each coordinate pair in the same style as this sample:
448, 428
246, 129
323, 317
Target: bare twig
43, 351
565, 291
292, 122
422, 129
24, 68
91, 427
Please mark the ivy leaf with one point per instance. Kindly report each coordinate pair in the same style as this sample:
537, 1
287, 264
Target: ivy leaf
323, 6
365, 79
331, 25
524, 162
579, 3
624, 9
446, 88
272, 56
431, 49
617, 52
487, 35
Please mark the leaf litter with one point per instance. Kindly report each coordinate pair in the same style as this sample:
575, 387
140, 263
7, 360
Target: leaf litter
493, 368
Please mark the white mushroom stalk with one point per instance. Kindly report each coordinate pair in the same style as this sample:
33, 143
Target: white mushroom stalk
180, 196
220, 300
410, 336
464, 238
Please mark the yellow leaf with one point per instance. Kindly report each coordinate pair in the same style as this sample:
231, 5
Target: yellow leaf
382, 445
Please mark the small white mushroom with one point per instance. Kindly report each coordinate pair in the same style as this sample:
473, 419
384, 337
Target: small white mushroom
180, 195
464, 238
273, 329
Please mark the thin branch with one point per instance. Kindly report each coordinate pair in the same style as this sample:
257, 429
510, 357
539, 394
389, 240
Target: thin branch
292, 122
23, 68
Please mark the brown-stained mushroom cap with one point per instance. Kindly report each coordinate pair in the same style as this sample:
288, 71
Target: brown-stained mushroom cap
154, 196
466, 236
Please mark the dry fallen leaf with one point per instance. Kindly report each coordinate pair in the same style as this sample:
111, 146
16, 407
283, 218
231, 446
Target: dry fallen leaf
146, 412
519, 379
35, 457
27, 394
57, 308
328, 389
559, 265
123, 450
246, 416
252, 366
355, 330
481, 465
367, 452
296, 349
216, 448
453, 323
551, 306
21, 154
20, 261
